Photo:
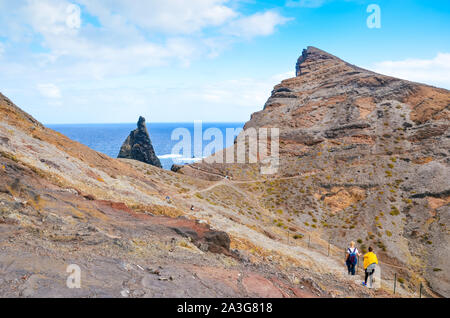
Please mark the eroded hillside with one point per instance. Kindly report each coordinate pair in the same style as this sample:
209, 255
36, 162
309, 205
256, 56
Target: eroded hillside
363, 157
62, 203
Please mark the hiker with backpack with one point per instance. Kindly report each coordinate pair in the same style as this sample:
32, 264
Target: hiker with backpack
352, 258
370, 263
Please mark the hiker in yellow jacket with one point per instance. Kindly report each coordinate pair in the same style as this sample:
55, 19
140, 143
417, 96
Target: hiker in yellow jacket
370, 262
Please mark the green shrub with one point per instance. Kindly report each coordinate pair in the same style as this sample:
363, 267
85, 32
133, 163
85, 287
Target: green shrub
394, 211
363, 248
198, 195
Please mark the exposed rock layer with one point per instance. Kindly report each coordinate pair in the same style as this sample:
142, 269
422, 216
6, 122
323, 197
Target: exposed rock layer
363, 156
130, 229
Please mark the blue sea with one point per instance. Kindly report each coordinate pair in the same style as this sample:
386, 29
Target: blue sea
108, 138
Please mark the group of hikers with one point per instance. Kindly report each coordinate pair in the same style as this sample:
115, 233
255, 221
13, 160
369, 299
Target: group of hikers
370, 261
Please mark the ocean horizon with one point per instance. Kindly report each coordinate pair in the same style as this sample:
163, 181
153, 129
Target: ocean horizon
108, 138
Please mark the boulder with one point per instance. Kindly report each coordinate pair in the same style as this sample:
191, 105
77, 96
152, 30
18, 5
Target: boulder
176, 168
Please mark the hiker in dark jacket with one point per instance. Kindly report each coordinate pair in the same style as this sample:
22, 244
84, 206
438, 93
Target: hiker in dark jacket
352, 258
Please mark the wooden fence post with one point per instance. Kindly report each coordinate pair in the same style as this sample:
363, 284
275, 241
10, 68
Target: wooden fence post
357, 265
395, 282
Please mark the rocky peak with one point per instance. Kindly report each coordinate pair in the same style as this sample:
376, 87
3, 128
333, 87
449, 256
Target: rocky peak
310, 55
141, 124
367, 154
314, 59
138, 146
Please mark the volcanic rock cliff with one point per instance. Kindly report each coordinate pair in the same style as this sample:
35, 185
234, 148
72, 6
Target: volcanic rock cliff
138, 146
363, 157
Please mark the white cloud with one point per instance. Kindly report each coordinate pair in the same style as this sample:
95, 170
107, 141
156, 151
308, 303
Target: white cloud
305, 3
433, 71
133, 36
246, 92
169, 16
47, 42
49, 91
258, 24
282, 76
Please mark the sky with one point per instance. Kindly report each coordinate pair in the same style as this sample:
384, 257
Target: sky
110, 61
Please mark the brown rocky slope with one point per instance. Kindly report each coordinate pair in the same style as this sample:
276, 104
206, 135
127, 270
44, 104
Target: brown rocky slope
62, 203
363, 157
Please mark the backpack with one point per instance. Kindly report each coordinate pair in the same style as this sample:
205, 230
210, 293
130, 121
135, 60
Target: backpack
352, 259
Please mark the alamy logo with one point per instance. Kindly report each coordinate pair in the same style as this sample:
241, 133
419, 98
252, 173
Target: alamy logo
74, 279
374, 19
241, 146
73, 20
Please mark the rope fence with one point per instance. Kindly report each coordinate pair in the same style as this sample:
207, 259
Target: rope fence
319, 245
326, 248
